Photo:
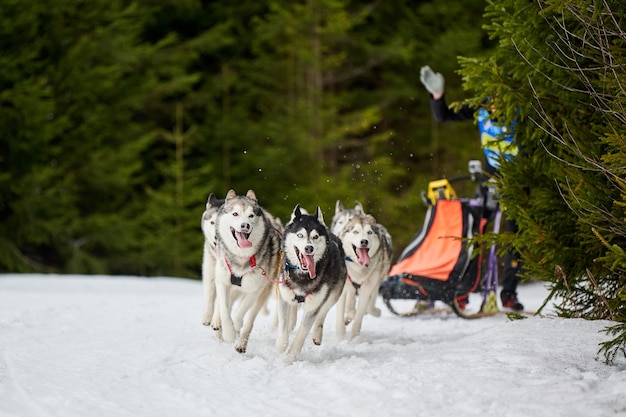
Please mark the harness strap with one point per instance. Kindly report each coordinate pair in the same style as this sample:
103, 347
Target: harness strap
356, 285
301, 298
235, 279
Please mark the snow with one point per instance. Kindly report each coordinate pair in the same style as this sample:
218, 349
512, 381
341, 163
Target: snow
130, 346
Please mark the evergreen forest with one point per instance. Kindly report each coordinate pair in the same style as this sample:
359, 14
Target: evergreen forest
118, 118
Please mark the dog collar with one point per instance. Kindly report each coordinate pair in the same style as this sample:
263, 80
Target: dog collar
289, 266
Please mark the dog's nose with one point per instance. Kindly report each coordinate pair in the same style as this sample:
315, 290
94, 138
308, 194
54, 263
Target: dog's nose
308, 249
364, 243
245, 227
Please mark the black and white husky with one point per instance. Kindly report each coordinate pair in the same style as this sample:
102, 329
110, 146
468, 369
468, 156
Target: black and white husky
368, 260
314, 277
247, 258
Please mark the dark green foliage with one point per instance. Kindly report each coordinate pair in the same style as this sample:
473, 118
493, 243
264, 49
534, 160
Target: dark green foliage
558, 69
82, 94
117, 119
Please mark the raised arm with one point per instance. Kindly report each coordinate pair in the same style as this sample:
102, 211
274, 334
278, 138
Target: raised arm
434, 82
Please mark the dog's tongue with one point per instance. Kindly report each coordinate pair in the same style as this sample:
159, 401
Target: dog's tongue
308, 263
242, 240
363, 255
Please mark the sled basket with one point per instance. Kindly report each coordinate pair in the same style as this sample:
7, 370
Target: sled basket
439, 262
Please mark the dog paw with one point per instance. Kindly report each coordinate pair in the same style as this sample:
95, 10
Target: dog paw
347, 321
216, 323
317, 336
317, 339
241, 347
374, 312
206, 319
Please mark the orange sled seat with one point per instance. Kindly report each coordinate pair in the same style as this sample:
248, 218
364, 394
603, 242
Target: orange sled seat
438, 263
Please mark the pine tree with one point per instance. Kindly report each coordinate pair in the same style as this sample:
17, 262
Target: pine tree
82, 88
558, 71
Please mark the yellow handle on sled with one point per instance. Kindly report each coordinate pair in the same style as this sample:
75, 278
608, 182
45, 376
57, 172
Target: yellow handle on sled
440, 190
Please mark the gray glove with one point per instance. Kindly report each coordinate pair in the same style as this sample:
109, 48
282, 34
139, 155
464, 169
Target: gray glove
434, 82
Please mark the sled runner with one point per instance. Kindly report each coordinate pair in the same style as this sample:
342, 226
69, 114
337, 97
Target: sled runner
442, 263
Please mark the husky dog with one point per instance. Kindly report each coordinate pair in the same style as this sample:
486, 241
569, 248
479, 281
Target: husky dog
343, 215
368, 259
341, 218
248, 257
315, 274
208, 260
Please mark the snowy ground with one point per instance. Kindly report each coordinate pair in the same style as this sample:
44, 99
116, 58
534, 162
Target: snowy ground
122, 346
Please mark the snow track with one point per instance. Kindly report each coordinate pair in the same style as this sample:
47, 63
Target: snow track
125, 346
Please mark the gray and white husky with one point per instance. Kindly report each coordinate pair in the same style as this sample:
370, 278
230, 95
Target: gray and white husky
209, 217
368, 260
343, 215
314, 277
248, 254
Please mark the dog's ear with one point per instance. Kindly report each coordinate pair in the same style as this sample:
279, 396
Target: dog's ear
296, 213
338, 207
250, 194
278, 222
231, 194
320, 216
358, 207
213, 201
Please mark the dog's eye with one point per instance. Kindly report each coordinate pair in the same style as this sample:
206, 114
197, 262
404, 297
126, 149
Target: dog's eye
369, 232
300, 235
235, 214
212, 222
251, 216
356, 232
315, 237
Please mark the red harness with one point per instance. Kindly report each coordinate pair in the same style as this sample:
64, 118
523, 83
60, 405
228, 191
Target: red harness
235, 279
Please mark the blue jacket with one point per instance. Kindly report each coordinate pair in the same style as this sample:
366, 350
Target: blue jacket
496, 139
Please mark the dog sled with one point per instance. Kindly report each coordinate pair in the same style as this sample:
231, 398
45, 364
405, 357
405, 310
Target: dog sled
443, 264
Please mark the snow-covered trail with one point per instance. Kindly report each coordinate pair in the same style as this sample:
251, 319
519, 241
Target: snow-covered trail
125, 346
